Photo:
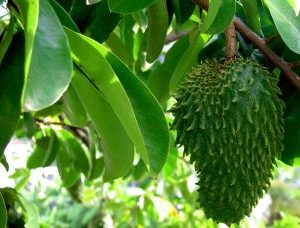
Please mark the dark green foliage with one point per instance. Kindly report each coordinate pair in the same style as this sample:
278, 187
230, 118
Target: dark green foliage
229, 119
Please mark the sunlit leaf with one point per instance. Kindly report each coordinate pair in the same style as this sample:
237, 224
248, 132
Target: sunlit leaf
48, 65
287, 23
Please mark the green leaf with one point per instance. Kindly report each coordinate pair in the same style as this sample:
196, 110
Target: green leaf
77, 154
91, 2
11, 83
101, 22
48, 65
3, 213
87, 55
158, 23
159, 79
21, 177
219, 16
183, 9
252, 13
287, 23
31, 212
188, 59
291, 153
151, 120
69, 175
118, 149
64, 17
97, 168
115, 44
44, 152
74, 110
125, 6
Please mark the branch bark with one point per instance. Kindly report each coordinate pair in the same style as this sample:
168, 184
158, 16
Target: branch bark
231, 47
261, 45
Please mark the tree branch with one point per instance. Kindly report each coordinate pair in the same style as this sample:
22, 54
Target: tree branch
261, 45
175, 36
231, 47
77, 131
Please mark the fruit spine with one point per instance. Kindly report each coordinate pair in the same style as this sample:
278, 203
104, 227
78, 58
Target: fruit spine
229, 119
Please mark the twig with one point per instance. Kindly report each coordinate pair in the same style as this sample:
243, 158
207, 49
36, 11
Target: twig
261, 45
175, 36
294, 64
79, 132
271, 38
231, 47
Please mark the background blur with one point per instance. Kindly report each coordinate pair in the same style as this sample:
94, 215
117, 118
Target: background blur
138, 200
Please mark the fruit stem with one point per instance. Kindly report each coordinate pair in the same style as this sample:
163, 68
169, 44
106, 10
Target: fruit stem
231, 46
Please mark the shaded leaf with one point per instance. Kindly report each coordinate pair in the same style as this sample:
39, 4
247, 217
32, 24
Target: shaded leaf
252, 13
158, 23
151, 120
11, 84
219, 16
64, 17
101, 22
159, 79
183, 9
125, 6
69, 175
76, 152
118, 149
73, 108
87, 55
44, 152
188, 59
291, 153
287, 23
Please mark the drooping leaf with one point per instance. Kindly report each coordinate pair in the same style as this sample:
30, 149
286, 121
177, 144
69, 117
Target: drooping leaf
101, 22
188, 59
183, 9
78, 155
74, 110
287, 23
65, 4
69, 175
151, 120
159, 79
64, 17
44, 152
87, 55
219, 16
252, 13
125, 6
3, 213
97, 168
48, 65
117, 147
11, 84
158, 23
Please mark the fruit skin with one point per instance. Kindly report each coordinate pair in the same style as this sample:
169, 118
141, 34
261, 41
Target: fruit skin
229, 119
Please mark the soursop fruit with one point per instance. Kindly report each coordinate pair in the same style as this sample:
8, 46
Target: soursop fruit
229, 118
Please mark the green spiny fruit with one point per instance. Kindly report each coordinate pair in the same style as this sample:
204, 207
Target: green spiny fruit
229, 119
